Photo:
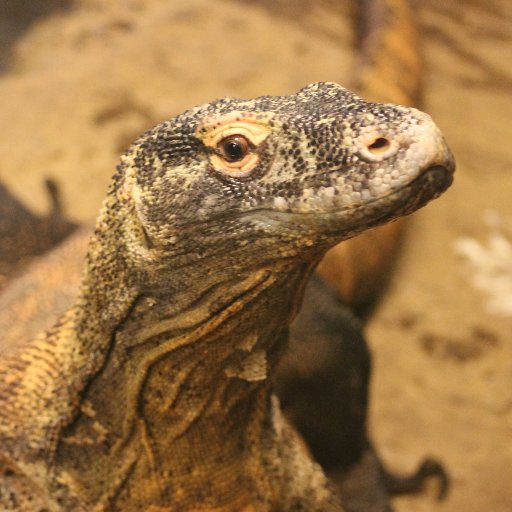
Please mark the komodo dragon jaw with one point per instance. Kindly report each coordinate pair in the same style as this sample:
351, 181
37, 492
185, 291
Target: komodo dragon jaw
317, 166
153, 390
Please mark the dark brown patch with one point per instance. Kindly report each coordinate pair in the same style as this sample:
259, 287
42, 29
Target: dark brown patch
122, 107
480, 341
407, 321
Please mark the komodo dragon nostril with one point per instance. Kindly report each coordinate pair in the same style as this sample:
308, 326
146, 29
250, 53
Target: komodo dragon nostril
379, 145
374, 147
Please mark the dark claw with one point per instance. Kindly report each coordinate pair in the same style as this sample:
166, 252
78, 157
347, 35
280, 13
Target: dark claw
414, 483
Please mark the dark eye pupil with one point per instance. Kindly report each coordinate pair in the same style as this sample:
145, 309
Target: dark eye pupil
234, 148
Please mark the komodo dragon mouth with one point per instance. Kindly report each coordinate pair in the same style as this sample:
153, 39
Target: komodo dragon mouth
430, 184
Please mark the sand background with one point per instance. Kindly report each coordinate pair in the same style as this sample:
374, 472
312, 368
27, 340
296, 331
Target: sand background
80, 79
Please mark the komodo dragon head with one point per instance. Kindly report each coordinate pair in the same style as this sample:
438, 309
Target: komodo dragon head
283, 174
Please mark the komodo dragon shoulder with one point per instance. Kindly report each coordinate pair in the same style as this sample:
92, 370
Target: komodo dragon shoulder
152, 392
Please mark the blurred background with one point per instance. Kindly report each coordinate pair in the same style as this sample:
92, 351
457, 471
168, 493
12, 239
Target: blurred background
80, 79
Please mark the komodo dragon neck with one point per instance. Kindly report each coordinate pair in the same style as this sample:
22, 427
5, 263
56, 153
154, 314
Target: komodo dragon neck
186, 381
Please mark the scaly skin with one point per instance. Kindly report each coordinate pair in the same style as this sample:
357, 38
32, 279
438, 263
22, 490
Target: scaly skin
152, 392
356, 266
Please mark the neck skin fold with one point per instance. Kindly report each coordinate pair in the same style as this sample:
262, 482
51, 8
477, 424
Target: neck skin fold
182, 403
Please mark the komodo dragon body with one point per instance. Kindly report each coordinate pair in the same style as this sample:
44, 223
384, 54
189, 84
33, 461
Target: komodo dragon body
153, 391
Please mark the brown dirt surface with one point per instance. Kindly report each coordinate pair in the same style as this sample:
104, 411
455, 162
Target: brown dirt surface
80, 79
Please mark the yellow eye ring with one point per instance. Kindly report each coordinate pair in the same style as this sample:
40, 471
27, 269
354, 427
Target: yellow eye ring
234, 140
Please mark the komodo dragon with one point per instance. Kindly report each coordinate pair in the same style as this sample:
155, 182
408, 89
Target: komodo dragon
365, 257
152, 392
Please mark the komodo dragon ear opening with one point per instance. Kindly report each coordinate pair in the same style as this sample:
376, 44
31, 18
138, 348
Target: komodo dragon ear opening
233, 141
139, 242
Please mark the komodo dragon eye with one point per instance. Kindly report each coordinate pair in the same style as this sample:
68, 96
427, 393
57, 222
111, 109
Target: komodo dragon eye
234, 148
234, 141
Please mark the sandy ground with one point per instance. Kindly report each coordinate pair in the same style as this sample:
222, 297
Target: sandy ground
80, 80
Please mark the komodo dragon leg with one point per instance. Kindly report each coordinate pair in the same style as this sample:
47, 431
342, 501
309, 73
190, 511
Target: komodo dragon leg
322, 381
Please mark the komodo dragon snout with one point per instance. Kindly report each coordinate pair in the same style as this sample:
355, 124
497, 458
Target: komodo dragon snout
254, 170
